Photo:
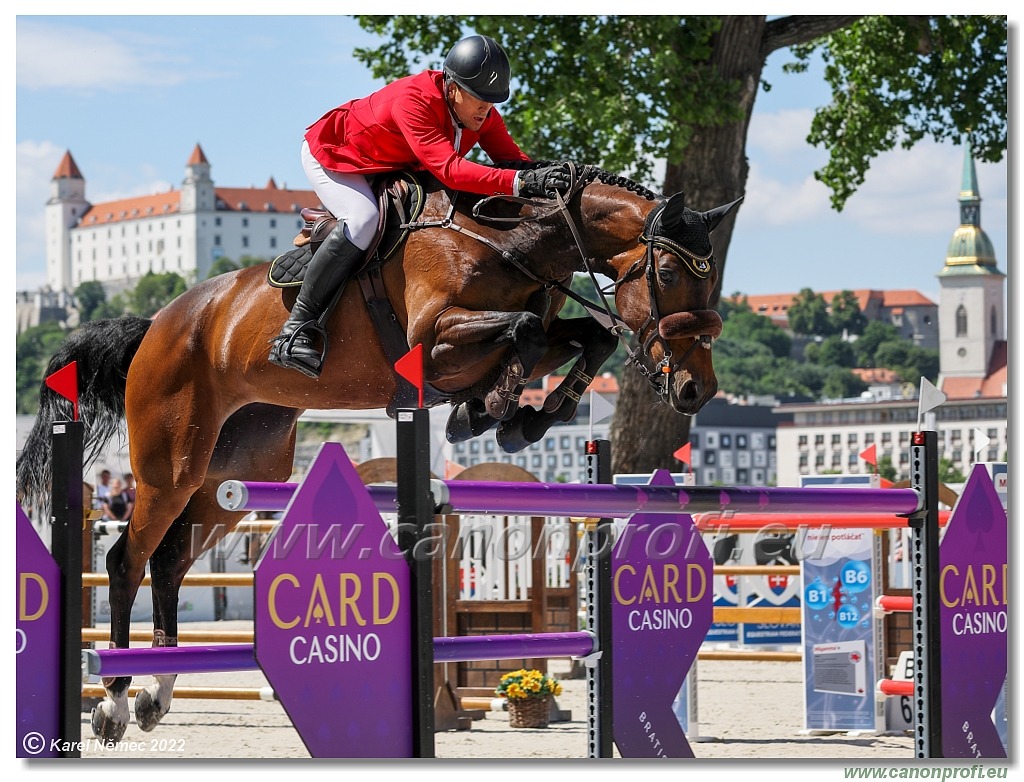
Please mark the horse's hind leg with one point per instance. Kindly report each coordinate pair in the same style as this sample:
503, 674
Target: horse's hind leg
257, 442
167, 568
184, 542
110, 716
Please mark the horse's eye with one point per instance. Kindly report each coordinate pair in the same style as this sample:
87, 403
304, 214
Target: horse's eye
665, 276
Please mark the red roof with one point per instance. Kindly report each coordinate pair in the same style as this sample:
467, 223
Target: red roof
992, 386
67, 169
198, 157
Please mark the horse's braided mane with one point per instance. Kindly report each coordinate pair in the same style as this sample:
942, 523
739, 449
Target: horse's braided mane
589, 173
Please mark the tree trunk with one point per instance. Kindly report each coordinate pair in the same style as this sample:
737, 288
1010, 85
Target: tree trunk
645, 432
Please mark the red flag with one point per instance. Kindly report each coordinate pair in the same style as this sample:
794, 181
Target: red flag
870, 455
410, 366
683, 454
65, 382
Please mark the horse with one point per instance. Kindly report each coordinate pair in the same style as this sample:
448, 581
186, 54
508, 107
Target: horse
477, 282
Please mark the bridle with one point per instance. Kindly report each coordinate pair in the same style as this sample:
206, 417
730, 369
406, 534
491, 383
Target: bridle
700, 266
638, 349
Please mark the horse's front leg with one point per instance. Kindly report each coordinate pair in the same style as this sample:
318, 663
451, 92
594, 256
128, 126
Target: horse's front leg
464, 339
583, 337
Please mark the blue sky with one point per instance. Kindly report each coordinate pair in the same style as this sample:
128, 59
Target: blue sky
131, 96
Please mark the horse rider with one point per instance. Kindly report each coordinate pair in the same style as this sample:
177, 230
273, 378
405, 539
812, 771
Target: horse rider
429, 122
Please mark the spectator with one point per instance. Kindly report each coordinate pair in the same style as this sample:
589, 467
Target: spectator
129, 486
103, 486
117, 506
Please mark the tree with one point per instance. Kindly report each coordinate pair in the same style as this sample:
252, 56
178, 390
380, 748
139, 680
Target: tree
683, 90
91, 297
33, 349
832, 351
154, 291
221, 266
843, 384
808, 314
887, 469
875, 334
743, 323
845, 314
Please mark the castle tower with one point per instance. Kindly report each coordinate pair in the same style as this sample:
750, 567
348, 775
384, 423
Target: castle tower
64, 209
197, 187
972, 315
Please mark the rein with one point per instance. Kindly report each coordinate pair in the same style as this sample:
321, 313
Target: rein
637, 351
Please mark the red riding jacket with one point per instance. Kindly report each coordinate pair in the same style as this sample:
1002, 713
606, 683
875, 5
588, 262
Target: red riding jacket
408, 125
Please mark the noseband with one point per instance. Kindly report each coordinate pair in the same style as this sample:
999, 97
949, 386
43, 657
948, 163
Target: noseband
703, 325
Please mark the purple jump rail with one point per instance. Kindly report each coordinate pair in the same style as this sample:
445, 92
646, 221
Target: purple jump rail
242, 657
600, 500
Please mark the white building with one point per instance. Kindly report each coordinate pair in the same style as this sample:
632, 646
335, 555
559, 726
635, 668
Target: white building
182, 231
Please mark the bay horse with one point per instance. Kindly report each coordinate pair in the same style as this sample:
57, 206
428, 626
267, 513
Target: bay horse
478, 283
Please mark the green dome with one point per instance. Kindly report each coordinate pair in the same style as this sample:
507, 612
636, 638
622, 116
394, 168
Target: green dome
970, 245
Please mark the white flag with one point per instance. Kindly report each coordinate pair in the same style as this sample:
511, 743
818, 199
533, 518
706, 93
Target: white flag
981, 442
929, 398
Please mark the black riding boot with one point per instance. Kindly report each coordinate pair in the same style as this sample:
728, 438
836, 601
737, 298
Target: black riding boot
328, 270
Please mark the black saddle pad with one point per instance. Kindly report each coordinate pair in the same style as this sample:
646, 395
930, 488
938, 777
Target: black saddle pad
400, 200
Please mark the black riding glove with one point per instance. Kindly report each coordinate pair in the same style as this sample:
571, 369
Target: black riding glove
543, 182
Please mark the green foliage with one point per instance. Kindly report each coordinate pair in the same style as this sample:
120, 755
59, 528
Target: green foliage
832, 352
843, 384
845, 314
887, 469
875, 334
808, 314
153, 292
898, 79
33, 349
908, 360
589, 88
948, 473
739, 322
91, 297
221, 266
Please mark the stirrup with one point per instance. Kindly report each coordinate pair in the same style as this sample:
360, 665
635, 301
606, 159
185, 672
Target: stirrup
282, 344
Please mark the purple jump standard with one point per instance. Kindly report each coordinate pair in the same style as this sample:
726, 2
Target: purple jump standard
241, 657
599, 500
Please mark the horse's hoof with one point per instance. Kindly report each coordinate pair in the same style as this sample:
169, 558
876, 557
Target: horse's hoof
525, 428
148, 711
468, 420
108, 723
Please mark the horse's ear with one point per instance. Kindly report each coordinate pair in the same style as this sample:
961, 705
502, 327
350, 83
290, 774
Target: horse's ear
673, 211
714, 216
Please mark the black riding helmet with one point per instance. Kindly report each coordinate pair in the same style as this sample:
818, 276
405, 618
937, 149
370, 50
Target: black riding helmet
480, 66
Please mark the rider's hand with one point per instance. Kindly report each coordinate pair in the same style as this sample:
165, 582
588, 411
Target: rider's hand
543, 182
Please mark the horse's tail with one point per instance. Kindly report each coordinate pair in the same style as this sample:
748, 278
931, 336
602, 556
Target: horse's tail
103, 350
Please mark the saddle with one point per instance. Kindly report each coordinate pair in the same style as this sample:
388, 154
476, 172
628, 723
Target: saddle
400, 200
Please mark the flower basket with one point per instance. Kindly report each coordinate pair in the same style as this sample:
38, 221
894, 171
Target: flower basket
529, 695
529, 712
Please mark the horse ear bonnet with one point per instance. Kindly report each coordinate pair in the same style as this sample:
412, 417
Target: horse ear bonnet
686, 227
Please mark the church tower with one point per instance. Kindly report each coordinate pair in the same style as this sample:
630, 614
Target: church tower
64, 209
972, 315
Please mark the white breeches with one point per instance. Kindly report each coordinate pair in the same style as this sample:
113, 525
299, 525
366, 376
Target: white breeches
347, 196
